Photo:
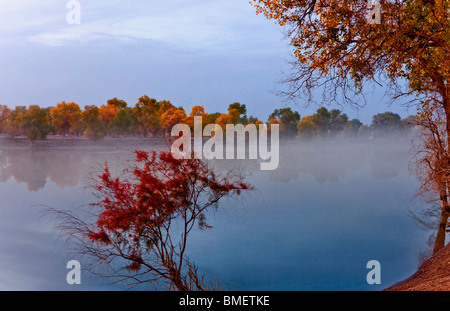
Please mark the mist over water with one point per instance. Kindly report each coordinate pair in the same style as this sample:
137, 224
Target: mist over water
312, 224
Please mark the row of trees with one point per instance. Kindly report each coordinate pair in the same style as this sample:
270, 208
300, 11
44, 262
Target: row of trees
148, 117
156, 118
325, 123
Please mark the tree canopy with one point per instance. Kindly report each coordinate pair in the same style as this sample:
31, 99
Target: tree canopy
337, 49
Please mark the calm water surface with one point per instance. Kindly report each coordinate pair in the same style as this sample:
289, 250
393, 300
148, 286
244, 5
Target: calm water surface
312, 224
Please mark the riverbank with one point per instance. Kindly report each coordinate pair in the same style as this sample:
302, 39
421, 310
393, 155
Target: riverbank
433, 275
81, 143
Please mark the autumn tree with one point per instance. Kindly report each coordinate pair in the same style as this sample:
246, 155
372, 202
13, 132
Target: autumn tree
211, 118
226, 118
197, 111
5, 115
106, 113
258, 123
307, 128
236, 114
143, 219
66, 118
145, 113
16, 120
119, 103
49, 117
172, 117
337, 47
148, 112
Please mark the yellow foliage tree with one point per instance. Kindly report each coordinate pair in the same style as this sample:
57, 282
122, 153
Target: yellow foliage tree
66, 118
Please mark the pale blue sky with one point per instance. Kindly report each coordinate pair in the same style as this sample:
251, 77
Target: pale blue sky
191, 52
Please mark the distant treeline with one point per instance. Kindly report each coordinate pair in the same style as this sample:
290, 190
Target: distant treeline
150, 117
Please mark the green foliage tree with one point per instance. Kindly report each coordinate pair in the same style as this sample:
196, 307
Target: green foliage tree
94, 128
326, 123
241, 108
35, 123
322, 119
289, 120
238, 113
123, 122
386, 122
338, 121
329, 122
354, 126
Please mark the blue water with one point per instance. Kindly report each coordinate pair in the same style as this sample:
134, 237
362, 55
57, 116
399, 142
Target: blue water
312, 224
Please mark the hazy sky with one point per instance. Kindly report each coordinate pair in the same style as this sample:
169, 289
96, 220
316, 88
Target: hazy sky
191, 52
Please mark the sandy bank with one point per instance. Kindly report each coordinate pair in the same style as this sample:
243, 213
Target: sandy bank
433, 275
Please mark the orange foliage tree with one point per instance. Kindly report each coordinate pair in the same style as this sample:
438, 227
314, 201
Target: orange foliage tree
196, 111
171, 117
107, 113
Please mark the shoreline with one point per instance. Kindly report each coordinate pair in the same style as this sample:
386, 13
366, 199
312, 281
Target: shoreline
73, 142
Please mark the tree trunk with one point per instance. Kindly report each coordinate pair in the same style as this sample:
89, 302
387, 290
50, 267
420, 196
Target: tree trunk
440, 236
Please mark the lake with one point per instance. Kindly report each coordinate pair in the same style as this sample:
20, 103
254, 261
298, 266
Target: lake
312, 224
